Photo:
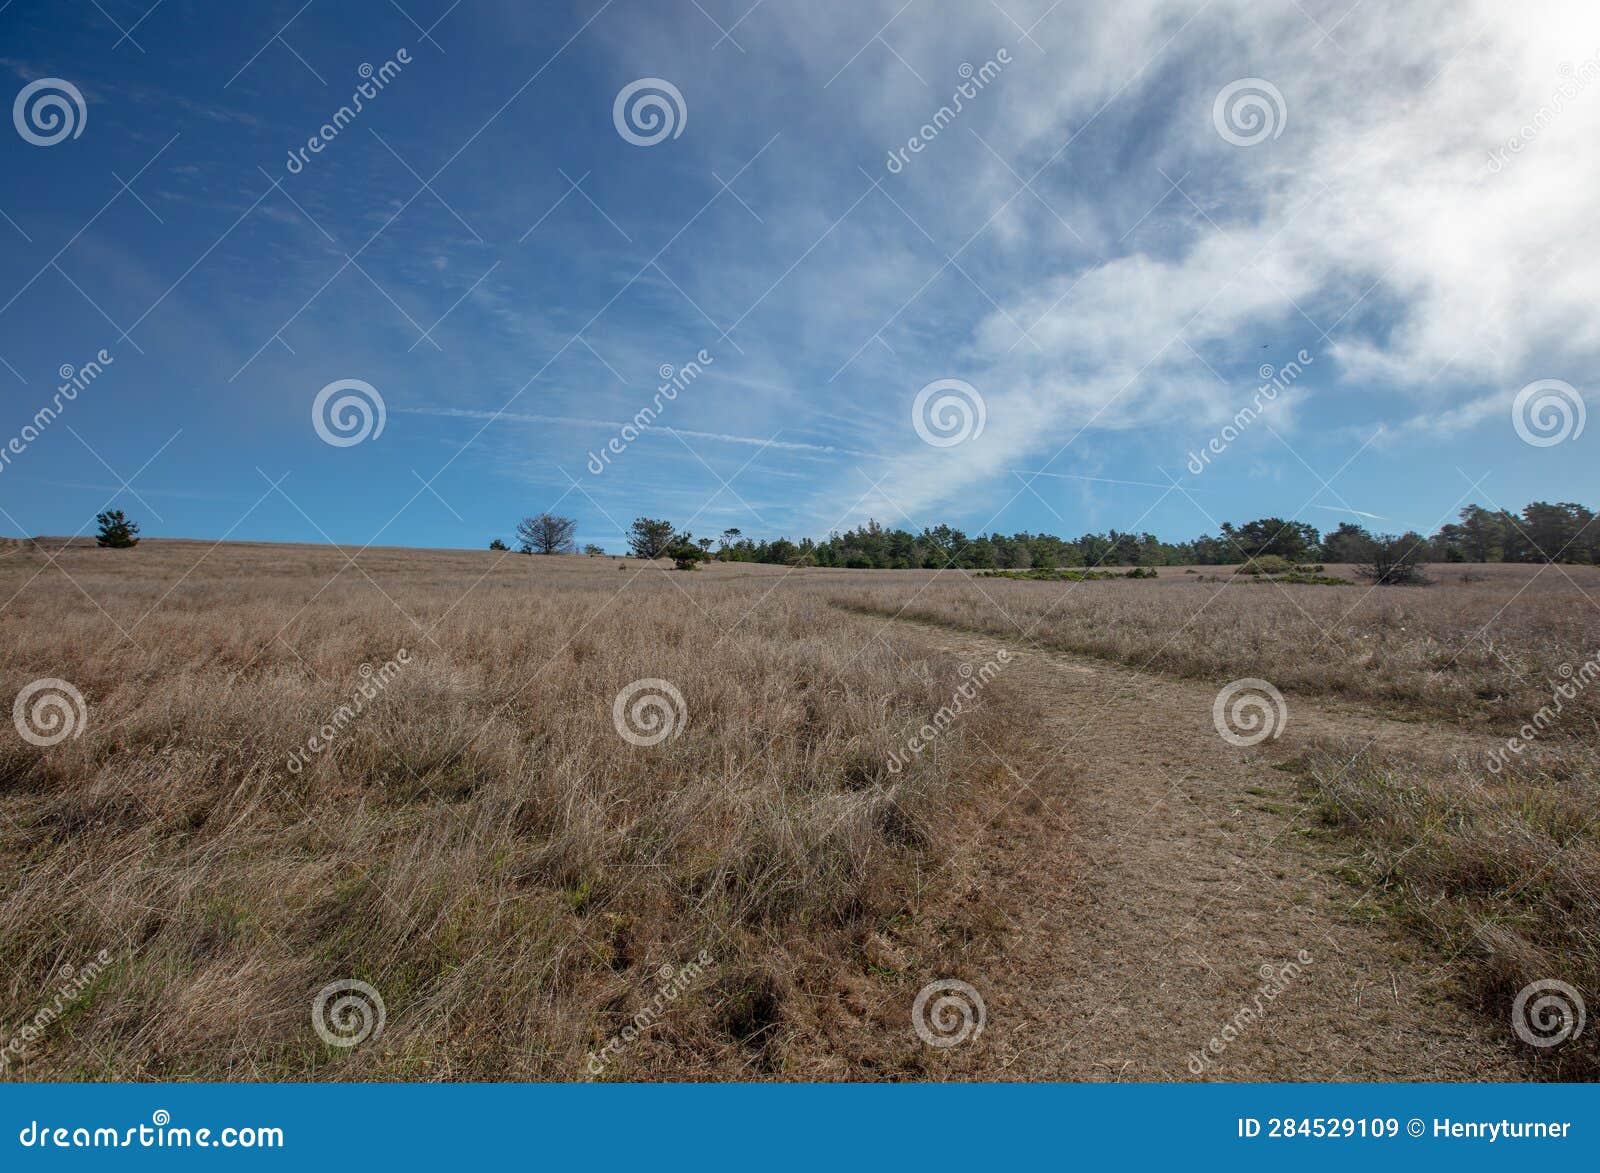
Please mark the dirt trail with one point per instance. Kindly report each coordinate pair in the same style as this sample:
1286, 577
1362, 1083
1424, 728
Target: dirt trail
1150, 872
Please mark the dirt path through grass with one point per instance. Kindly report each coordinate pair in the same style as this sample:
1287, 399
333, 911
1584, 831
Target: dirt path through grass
1154, 879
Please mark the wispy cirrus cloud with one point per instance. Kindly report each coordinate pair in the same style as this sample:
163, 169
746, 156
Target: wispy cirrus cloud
519, 417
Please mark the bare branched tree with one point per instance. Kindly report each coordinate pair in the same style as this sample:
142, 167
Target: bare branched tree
1396, 561
546, 534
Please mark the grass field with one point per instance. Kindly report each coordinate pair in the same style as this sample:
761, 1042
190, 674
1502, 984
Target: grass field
1480, 645
577, 818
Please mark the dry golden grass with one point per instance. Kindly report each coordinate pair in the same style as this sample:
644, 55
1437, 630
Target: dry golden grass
1480, 645
1498, 870
1501, 871
479, 843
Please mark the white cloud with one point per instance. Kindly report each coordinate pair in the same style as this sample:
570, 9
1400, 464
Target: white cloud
1373, 233
1375, 218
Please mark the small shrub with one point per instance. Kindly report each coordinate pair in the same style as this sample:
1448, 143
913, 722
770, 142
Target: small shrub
1266, 564
1302, 577
116, 531
685, 553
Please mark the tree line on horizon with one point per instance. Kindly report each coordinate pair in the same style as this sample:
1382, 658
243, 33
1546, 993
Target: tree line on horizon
1542, 532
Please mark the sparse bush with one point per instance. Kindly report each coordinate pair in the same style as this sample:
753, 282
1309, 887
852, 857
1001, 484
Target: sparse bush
497, 544
1266, 564
1303, 577
1269, 568
1396, 561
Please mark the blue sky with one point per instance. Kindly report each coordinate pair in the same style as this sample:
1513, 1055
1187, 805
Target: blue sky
1093, 244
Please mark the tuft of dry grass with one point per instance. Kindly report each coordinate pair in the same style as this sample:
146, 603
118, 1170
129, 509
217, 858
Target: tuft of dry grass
477, 841
1500, 870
